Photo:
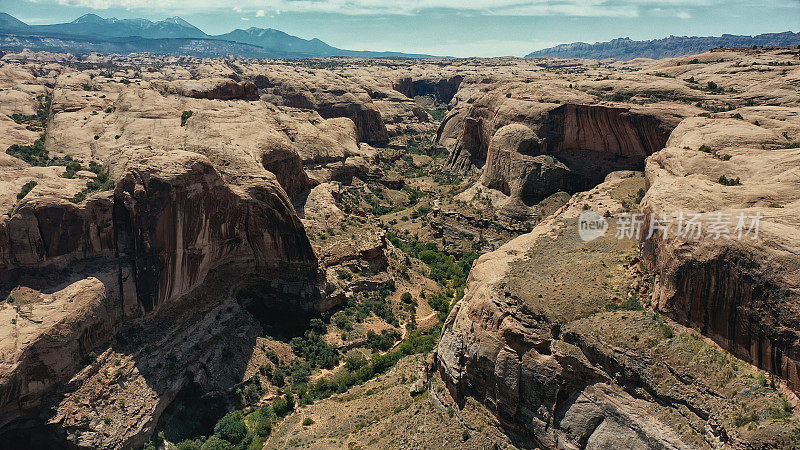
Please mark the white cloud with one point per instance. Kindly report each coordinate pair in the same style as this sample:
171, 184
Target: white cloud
582, 8
680, 14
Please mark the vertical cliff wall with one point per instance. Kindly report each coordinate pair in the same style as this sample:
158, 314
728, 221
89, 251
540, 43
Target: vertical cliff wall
90, 269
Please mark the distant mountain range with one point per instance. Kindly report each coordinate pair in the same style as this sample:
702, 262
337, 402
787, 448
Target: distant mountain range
626, 49
174, 35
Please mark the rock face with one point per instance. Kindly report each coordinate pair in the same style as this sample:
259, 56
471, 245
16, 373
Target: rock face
367, 98
441, 90
531, 341
54, 234
342, 100
190, 226
170, 224
528, 150
214, 89
516, 166
740, 291
179, 223
590, 137
53, 333
557, 369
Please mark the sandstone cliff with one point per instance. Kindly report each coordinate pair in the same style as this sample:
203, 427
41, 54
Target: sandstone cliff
186, 218
530, 340
740, 290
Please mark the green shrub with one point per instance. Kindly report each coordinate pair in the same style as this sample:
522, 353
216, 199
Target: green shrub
354, 362
283, 405
189, 444
422, 211
743, 419
300, 371
342, 321
315, 350
441, 301
729, 181
264, 418
383, 341
308, 421
34, 154
216, 443
438, 114
26, 188
185, 116
639, 196
272, 356
445, 268
278, 378
71, 168
101, 182
630, 304
231, 427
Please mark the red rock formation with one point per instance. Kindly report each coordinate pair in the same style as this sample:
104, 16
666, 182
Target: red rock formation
615, 130
568, 130
179, 223
516, 166
53, 233
337, 100
741, 292
89, 312
442, 90
214, 89
171, 224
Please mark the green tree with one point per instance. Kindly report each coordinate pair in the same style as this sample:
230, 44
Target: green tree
189, 444
216, 443
231, 427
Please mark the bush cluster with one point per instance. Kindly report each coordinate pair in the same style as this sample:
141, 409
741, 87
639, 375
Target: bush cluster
312, 347
101, 182
448, 269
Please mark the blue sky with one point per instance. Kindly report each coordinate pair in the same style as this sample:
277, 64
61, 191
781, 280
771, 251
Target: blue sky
444, 27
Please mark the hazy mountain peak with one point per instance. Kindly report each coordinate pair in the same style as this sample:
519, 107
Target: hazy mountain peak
10, 22
178, 21
89, 18
167, 34
626, 48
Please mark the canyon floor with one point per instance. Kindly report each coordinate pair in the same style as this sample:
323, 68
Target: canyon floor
353, 253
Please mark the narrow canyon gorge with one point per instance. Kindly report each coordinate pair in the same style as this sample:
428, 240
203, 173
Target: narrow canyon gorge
359, 253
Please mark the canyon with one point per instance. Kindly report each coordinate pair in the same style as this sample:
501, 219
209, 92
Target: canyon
188, 243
